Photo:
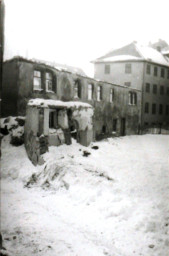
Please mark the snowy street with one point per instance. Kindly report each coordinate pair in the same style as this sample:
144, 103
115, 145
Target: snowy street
113, 202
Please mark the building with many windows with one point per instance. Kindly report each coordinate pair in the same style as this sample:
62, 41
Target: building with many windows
143, 68
116, 107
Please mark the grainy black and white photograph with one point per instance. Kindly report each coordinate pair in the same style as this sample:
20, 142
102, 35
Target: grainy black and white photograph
84, 127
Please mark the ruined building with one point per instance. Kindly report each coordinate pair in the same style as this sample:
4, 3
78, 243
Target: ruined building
144, 68
116, 107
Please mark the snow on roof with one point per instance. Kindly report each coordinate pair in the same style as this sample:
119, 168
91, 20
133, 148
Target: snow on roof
146, 53
120, 58
151, 54
57, 103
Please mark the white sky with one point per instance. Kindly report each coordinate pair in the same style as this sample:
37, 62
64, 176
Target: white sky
75, 32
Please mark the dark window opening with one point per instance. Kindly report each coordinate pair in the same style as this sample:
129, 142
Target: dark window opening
148, 69
114, 125
90, 91
160, 109
153, 108
146, 107
132, 98
167, 110
128, 84
104, 130
154, 88
99, 92
107, 69
161, 89
128, 68
52, 119
147, 87
155, 71
111, 95
162, 72
77, 89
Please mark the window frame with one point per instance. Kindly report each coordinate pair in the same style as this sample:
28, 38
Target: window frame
155, 71
128, 68
91, 90
154, 88
154, 108
99, 92
147, 88
48, 80
146, 108
37, 78
148, 69
111, 95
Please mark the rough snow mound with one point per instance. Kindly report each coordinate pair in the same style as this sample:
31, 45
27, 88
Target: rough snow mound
15, 127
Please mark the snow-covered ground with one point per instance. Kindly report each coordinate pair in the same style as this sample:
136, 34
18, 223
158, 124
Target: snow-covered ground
114, 202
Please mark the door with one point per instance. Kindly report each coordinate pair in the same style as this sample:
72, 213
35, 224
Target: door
123, 126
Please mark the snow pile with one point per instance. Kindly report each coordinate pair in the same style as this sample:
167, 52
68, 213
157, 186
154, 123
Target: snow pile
15, 127
113, 201
57, 103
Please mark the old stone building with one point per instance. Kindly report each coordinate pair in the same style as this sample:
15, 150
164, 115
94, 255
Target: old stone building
116, 107
143, 68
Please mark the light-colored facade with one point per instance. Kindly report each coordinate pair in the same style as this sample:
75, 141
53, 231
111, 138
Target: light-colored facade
128, 66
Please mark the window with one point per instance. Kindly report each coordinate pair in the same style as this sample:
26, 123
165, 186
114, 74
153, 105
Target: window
77, 89
146, 124
167, 90
147, 87
128, 68
90, 91
132, 98
154, 88
111, 95
114, 125
49, 82
155, 71
168, 74
146, 107
160, 109
153, 108
167, 110
128, 84
107, 69
161, 89
148, 69
37, 80
162, 72
99, 92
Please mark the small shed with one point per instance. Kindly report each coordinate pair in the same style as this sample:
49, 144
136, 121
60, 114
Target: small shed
53, 123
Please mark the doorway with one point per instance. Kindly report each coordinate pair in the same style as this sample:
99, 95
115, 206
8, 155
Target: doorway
123, 127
